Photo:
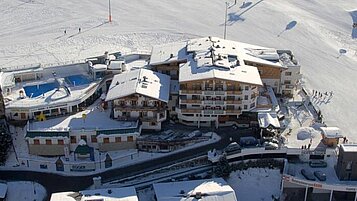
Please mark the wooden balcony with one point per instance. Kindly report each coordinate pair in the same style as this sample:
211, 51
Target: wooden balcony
190, 111
236, 92
233, 111
138, 108
191, 101
189, 91
234, 101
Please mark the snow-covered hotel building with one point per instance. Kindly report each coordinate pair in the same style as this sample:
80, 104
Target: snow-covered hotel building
202, 82
141, 95
218, 79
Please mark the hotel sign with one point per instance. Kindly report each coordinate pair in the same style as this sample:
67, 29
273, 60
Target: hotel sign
83, 167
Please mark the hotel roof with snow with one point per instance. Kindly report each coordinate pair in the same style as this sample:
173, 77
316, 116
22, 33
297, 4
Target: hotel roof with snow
212, 57
143, 81
113, 194
215, 189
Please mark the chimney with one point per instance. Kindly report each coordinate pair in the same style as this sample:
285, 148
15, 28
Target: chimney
145, 79
97, 181
171, 55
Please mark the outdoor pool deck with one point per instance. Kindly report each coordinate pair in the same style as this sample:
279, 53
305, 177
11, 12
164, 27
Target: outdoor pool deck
45, 91
77, 80
34, 91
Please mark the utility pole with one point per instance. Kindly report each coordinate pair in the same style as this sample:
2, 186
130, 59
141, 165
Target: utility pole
225, 21
110, 13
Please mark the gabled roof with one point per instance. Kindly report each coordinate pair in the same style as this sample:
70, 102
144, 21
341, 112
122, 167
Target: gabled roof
331, 132
167, 53
212, 57
244, 74
110, 194
214, 189
143, 81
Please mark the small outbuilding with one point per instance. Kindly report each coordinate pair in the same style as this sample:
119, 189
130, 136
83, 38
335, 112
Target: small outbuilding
331, 136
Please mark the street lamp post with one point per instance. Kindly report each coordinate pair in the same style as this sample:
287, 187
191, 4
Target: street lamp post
110, 13
225, 21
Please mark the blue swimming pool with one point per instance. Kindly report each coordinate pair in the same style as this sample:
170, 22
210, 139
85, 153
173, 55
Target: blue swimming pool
37, 90
76, 80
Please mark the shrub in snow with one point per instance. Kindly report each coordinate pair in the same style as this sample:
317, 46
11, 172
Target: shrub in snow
222, 169
5, 143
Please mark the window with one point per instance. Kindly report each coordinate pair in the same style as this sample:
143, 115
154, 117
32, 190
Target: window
230, 97
73, 140
230, 107
153, 124
48, 142
287, 73
36, 141
93, 138
130, 139
287, 82
60, 142
83, 137
106, 140
117, 139
252, 105
246, 88
245, 107
134, 103
246, 97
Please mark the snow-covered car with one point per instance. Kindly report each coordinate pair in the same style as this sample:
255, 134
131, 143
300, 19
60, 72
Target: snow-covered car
308, 175
320, 175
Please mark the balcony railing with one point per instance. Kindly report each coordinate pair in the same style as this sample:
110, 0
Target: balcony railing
206, 112
233, 111
210, 93
191, 101
138, 108
189, 91
191, 111
213, 102
220, 93
234, 92
234, 101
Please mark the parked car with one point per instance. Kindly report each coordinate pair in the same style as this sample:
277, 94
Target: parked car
270, 145
318, 164
308, 175
320, 175
271, 139
248, 141
232, 147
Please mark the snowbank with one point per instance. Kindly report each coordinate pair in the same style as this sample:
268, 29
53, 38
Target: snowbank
305, 133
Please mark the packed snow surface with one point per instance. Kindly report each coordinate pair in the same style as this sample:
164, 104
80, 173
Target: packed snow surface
319, 32
247, 183
25, 190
